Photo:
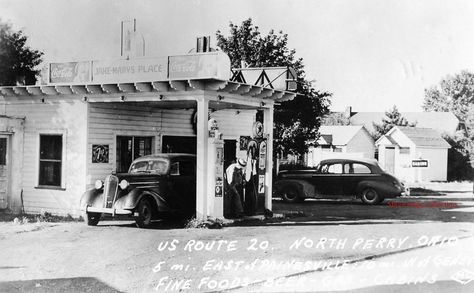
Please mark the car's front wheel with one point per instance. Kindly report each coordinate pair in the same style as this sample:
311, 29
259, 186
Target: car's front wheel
370, 196
92, 219
291, 194
144, 213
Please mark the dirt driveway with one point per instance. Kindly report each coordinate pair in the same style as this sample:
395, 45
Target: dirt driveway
117, 257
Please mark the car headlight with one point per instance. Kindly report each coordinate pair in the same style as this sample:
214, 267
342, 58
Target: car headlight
98, 184
124, 184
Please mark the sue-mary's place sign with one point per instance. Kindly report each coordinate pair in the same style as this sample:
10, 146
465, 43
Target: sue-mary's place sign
129, 70
205, 65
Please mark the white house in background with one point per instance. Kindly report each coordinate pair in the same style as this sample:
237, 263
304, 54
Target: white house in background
403, 145
341, 141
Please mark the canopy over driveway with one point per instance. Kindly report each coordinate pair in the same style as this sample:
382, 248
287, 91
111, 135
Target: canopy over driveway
203, 94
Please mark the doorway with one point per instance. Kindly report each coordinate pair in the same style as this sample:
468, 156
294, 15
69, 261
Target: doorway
4, 171
230, 152
390, 160
130, 148
178, 144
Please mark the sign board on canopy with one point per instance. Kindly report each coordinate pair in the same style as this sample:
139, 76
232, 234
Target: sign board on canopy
192, 66
140, 69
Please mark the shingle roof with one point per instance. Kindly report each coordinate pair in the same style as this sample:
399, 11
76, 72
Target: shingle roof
424, 137
441, 121
341, 135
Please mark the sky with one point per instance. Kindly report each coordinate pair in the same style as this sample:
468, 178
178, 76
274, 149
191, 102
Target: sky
371, 54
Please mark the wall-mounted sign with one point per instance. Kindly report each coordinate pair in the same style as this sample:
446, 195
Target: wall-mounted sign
219, 187
219, 171
100, 153
262, 155
261, 184
70, 72
244, 142
419, 163
258, 129
212, 127
134, 70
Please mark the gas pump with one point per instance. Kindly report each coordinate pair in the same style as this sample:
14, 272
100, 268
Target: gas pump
215, 172
254, 198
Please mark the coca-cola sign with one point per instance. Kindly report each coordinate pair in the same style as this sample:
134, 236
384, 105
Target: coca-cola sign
189, 66
70, 72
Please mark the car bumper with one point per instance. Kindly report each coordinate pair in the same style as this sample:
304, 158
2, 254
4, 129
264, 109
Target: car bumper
398, 193
108, 211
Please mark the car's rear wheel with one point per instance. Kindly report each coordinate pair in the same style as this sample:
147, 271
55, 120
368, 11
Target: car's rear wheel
370, 196
291, 194
92, 219
144, 213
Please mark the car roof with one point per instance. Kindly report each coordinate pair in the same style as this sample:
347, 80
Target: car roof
170, 156
350, 160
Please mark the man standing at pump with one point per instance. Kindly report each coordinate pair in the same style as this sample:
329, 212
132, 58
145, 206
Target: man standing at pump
235, 182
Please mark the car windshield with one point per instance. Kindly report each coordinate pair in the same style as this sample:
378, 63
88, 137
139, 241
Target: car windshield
159, 167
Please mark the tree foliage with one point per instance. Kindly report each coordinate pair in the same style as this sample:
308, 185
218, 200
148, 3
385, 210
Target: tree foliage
459, 167
18, 62
392, 118
455, 93
295, 122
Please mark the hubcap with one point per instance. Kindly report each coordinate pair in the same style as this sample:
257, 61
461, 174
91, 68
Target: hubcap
370, 195
290, 194
146, 213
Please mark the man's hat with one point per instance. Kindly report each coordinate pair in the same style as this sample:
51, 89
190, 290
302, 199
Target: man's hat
242, 163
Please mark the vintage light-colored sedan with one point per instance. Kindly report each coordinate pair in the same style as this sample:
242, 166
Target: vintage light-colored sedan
339, 178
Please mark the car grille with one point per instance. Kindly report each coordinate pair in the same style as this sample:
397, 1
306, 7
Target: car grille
110, 190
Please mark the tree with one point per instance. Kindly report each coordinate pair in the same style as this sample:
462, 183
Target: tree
459, 167
295, 122
393, 118
455, 93
18, 62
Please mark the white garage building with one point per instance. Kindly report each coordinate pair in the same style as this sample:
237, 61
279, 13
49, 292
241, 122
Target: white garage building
414, 154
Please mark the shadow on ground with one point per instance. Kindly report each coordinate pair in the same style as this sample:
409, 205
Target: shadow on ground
57, 285
440, 286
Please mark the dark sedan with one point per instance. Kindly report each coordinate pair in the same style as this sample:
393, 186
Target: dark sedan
154, 187
339, 178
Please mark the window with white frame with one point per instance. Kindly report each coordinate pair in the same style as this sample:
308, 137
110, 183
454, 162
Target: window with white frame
131, 147
404, 150
50, 160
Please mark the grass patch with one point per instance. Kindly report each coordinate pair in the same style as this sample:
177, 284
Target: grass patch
201, 224
44, 217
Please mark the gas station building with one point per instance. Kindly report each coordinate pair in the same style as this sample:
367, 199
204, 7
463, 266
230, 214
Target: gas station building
92, 118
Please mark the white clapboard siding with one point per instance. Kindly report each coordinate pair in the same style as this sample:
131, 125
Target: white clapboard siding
233, 124
66, 117
363, 143
106, 121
